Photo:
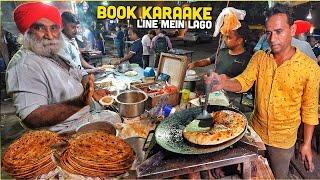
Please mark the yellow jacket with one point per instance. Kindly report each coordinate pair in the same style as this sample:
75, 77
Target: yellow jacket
285, 95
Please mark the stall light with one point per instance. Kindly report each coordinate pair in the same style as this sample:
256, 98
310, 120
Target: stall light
105, 3
309, 16
74, 7
85, 6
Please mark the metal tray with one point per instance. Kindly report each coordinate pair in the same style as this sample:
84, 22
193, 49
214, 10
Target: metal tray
169, 132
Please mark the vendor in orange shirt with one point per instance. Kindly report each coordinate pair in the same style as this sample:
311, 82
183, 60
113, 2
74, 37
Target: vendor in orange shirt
287, 90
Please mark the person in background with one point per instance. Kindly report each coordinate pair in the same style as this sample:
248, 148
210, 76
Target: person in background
12, 43
146, 43
160, 43
82, 41
300, 44
287, 91
233, 59
262, 44
98, 35
303, 28
125, 30
70, 50
46, 90
119, 41
88, 34
314, 39
135, 53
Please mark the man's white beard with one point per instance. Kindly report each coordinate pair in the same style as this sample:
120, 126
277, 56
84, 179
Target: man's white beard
43, 47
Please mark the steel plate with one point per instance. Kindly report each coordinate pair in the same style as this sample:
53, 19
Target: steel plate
169, 132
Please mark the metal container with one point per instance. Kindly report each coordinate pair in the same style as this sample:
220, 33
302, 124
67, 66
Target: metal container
191, 85
124, 67
131, 103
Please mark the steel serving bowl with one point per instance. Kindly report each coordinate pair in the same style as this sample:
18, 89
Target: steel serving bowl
124, 67
131, 103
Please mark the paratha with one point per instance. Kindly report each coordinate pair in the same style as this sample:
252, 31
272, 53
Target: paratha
97, 154
227, 125
30, 155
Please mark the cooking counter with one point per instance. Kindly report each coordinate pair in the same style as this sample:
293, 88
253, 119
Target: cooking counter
121, 77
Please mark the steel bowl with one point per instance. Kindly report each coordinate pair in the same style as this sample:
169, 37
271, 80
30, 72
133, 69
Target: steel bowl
131, 103
98, 126
124, 67
156, 87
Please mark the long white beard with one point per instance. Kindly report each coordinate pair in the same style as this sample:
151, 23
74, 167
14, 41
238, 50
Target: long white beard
43, 47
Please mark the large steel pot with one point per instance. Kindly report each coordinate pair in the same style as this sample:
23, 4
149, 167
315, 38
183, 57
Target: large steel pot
131, 103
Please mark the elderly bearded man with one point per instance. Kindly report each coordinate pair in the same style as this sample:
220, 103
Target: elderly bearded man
46, 90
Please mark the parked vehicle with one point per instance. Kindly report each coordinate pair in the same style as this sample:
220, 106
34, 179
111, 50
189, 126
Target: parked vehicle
195, 35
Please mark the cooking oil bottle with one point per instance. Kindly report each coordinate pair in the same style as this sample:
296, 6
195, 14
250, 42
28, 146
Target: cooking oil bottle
184, 101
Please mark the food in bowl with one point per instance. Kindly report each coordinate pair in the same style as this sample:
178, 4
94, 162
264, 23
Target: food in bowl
106, 100
134, 65
105, 83
131, 73
108, 66
191, 72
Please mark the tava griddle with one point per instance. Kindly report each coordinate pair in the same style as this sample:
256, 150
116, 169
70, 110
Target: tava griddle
169, 132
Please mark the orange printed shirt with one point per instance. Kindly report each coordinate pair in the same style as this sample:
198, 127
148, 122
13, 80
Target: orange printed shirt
285, 96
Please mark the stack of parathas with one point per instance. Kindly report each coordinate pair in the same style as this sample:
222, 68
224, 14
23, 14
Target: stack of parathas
30, 155
97, 154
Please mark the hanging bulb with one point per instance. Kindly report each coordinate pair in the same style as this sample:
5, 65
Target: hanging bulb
309, 16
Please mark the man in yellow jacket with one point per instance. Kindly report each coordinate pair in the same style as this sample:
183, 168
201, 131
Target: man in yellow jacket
287, 90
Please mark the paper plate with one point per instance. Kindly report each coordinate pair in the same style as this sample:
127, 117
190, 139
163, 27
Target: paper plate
131, 73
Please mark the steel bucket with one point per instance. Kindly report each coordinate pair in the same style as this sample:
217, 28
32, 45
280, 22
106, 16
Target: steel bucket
131, 103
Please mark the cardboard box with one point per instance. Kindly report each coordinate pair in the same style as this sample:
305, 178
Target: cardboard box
176, 67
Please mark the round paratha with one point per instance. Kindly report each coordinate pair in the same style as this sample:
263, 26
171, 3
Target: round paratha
97, 154
227, 125
30, 155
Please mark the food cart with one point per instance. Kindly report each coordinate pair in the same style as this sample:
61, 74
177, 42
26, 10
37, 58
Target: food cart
160, 150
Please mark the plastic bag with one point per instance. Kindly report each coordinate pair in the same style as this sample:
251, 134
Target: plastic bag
231, 12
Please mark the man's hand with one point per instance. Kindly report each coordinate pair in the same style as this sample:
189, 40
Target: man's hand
220, 79
306, 156
88, 86
190, 66
115, 61
95, 70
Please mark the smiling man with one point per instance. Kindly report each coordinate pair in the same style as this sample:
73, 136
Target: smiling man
46, 90
287, 90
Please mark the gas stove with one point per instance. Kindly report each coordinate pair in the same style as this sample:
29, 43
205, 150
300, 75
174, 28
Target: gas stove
160, 163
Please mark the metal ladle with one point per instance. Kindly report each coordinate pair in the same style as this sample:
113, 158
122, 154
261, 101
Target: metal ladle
205, 118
